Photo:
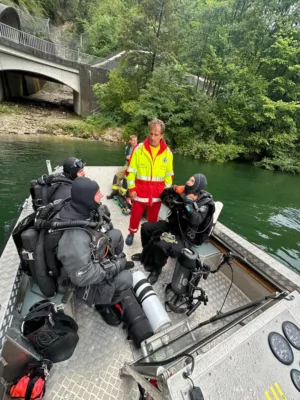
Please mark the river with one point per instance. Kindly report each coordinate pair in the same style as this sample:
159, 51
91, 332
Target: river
262, 206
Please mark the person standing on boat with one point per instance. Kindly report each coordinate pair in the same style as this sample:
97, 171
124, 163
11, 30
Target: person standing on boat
150, 171
119, 182
94, 261
189, 224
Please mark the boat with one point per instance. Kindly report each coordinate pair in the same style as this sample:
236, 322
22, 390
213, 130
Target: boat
223, 350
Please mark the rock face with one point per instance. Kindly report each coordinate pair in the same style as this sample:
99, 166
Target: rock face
49, 112
35, 120
112, 135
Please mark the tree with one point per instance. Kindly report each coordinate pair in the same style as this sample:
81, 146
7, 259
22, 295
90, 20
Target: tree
150, 33
103, 27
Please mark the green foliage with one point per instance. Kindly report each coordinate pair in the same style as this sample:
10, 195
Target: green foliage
210, 151
151, 33
33, 7
102, 121
9, 108
224, 75
111, 95
284, 163
8, 3
104, 26
78, 128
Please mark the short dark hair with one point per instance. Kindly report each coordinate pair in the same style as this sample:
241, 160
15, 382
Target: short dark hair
158, 122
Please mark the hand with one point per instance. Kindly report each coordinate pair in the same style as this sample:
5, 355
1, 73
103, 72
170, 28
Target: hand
121, 261
190, 198
132, 194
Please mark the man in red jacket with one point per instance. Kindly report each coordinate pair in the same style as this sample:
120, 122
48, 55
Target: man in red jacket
150, 171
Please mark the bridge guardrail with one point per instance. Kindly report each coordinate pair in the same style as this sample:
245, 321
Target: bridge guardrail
45, 46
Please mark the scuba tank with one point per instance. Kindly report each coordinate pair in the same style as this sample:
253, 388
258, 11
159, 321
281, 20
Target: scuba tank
26, 248
185, 265
42, 189
135, 319
29, 240
152, 307
37, 249
179, 294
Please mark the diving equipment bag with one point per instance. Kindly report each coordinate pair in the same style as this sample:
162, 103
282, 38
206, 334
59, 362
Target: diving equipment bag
32, 385
52, 333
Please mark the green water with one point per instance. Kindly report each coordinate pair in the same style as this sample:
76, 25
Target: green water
262, 206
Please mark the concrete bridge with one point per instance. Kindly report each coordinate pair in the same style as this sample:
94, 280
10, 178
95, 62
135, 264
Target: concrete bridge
22, 55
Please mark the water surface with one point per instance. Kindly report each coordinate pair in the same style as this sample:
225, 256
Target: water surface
260, 205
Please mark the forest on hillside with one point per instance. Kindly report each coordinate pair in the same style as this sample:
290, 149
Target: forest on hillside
223, 74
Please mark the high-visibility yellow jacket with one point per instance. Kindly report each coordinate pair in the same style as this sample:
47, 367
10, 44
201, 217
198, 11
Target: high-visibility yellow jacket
150, 177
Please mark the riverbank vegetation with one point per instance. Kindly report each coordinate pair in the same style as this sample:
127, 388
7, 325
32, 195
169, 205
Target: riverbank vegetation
224, 75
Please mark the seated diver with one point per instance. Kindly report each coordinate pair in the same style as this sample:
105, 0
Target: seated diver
50, 188
189, 224
93, 261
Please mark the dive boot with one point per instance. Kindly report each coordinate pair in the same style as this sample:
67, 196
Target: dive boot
152, 278
136, 257
111, 314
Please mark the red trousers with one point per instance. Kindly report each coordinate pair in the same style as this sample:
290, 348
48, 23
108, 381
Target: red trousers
137, 210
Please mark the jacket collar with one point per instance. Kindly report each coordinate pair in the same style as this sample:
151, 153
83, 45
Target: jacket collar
163, 146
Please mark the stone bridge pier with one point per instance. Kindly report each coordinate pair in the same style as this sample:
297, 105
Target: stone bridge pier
17, 60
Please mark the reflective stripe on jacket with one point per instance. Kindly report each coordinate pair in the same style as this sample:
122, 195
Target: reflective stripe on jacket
147, 177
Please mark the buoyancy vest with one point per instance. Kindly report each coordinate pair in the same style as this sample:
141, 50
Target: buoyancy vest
43, 189
37, 236
191, 234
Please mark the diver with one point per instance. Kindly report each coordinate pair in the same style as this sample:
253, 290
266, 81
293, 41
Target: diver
93, 260
50, 188
189, 224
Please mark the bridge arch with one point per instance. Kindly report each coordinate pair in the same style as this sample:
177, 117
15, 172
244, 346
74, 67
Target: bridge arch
9, 16
33, 66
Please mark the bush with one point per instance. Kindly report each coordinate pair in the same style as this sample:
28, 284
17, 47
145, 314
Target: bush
210, 151
9, 109
284, 164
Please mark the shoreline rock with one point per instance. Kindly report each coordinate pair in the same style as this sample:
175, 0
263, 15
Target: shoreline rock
33, 122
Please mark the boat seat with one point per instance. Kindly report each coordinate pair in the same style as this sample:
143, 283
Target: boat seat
206, 250
218, 209
33, 294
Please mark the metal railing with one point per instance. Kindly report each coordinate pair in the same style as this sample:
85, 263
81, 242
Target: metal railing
17, 36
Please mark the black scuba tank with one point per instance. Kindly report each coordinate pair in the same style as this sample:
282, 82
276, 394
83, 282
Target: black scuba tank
185, 265
39, 193
42, 189
29, 240
25, 244
134, 319
45, 282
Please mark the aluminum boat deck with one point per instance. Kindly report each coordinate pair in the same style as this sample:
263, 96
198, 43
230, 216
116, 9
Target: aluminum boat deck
93, 370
